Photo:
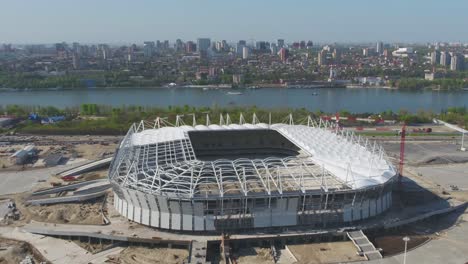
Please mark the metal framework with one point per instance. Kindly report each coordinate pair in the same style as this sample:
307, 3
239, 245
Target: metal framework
158, 158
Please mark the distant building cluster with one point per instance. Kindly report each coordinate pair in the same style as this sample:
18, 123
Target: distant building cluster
207, 61
454, 60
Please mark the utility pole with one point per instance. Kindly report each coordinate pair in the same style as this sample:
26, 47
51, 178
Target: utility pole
402, 152
462, 148
406, 239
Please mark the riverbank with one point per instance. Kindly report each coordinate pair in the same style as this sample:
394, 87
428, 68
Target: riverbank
313, 85
109, 120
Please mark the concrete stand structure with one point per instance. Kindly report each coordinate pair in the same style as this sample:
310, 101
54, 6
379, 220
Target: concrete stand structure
244, 176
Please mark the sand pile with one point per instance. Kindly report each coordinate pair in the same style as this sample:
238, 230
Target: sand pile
15, 251
142, 255
71, 213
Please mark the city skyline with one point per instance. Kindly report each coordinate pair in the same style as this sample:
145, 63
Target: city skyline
124, 22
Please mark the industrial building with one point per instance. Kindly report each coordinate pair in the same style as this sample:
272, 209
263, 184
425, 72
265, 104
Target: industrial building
24, 155
248, 176
53, 159
6, 121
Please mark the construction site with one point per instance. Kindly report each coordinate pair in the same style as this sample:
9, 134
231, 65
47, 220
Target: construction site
305, 191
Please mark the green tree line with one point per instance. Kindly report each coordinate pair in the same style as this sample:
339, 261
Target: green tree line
104, 119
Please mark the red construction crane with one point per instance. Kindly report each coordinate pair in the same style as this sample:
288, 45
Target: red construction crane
402, 151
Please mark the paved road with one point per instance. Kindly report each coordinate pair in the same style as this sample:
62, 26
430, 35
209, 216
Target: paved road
422, 151
446, 175
450, 248
23, 181
86, 167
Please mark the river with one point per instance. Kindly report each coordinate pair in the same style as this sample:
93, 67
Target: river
325, 99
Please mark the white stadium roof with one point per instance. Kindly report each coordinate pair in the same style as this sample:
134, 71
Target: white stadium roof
331, 158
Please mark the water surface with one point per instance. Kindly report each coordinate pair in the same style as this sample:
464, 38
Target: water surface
328, 99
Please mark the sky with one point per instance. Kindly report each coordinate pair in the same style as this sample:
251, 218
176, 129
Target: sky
135, 21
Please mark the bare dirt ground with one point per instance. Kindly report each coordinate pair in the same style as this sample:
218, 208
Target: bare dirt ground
94, 175
87, 213
325, 252
392, 245
256, 255
460, 195
143, 255
83, 213
5, 162
91, 247
94, 151
84, 147
12, 251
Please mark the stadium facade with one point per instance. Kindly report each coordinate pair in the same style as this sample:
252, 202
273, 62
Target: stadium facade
248, 175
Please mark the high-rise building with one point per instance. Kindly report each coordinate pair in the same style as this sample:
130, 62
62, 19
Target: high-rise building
302, 44
284, 54
76, 48
84, 51
379, 48
435, 57
148, 49
310, 44
365, 52
131, 53
190, 47
203, 44
76, 61
104, 51
445, 58
166, 45
457, 62
218, 46
179, 45
280, 43
321, 59
239, 49
332, 75
273, 48
237, 78
387, 53
221, 45
245, 52
61, 50
336, 55
260, 45
224, 44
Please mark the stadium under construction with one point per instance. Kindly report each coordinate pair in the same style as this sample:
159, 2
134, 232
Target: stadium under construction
244, 176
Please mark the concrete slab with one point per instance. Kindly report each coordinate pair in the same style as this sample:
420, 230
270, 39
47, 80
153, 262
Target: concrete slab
445, 175
23, 181
4, 208
424, 151
335, 252
286, 257
53, 249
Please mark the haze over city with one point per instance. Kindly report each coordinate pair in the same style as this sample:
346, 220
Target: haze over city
120, 21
